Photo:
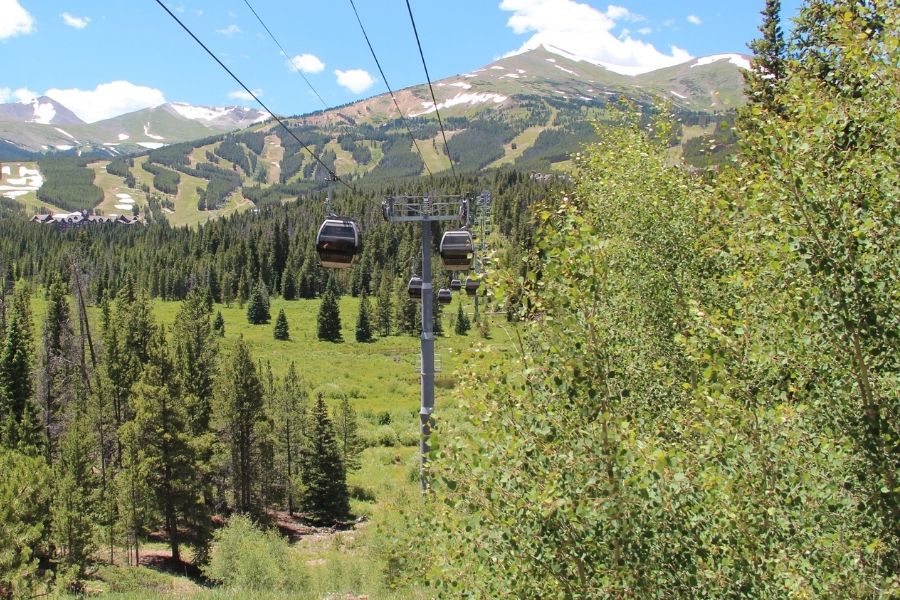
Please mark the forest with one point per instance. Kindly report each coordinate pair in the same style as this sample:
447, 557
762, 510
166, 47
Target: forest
699, 395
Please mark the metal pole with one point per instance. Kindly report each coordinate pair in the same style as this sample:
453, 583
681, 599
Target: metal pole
427, 350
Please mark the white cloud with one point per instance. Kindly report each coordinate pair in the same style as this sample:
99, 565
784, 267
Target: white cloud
15, 20
23, 95
76, 22
243, 96
645, 30
107, 99
694, 20
586, 32
620, 13
308, 63
230, 30
355, 80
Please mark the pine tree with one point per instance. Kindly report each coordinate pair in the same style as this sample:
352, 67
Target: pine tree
323, 477
164, 432
240, 409
346, 429
766, 78
196, 355
289, 422
258, 306
329, 320
282, 332
57, 353
363, 325
74, 504
405, 310
383, 308
462, 321
219, 324
16, 387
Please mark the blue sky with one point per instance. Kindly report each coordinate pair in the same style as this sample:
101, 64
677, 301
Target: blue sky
103, 58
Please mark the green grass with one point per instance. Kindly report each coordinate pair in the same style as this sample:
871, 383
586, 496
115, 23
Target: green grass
379, 377
273, 152
433, 153
112, 185
523, 141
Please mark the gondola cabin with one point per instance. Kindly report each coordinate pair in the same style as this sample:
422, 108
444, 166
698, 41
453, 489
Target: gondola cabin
414, 287
472, 286
444, 296
457, 250
337, 243
455, 285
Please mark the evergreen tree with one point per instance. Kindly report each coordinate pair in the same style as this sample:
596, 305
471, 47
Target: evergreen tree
258, 305
289, 422
383, 308
363, 325
25, 488
282, 332
240, 403
219, 324
195, 360
74, 504
766, 78
323, 477
462, 321
16, 387
346, 429
57, 353
164, 432
329, 320
405, 310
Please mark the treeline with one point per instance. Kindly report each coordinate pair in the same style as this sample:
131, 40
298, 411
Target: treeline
69, 183
164, 180
130, 428
275, 245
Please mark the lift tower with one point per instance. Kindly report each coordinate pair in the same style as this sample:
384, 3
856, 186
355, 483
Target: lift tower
426, 210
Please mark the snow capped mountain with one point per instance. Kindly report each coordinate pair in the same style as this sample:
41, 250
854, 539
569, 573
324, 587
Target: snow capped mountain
735, 59
227, 117
42, 110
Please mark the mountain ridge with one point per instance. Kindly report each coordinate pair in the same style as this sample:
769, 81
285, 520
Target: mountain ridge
705, 84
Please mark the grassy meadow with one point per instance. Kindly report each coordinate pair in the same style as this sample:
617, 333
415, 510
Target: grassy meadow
382, 381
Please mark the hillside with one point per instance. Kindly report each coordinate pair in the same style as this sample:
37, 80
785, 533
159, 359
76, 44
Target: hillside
529, 112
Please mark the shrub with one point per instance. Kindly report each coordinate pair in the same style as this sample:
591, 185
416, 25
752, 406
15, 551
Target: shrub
246, 558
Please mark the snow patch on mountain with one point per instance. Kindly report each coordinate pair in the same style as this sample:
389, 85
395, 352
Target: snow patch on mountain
677, 95
461, 84
151, 145
43, 112
65, 133
200, 113
735, 59
471, 99
570, 71
150, 135
123, 137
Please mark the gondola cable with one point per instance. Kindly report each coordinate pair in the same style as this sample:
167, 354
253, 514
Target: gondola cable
284, 53
255, 97
388, 86
433, 98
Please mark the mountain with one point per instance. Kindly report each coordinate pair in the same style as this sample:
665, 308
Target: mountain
43, 110
45, 125
709, 85
531, 112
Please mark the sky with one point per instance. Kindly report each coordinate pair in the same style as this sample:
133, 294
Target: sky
101, 59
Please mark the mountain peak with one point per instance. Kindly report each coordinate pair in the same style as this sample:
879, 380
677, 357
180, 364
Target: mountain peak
41, 109
235, 117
